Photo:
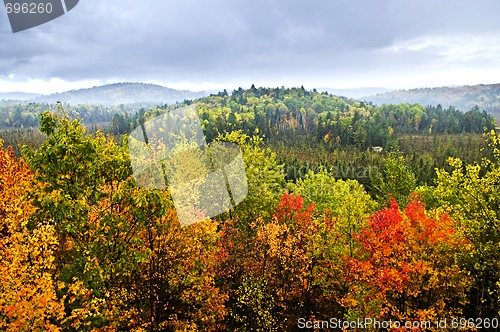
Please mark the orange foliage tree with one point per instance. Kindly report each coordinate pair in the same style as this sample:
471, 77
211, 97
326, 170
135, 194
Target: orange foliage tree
175, 289
28, 298
409, 267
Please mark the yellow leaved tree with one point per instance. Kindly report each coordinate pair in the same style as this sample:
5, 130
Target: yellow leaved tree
28, 300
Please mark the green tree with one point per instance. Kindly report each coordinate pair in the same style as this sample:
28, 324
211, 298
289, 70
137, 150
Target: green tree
397, 181
265, 177
470, 194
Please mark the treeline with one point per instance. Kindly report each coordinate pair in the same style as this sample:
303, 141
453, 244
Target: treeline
16, 138
423, 154
281, 113
84, 248
309, 130
19, 122
284, 114
26, 115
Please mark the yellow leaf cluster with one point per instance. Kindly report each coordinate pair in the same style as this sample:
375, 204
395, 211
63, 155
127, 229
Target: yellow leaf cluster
28, 300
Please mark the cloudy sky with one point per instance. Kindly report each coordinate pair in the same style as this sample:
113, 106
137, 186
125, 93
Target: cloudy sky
193, 44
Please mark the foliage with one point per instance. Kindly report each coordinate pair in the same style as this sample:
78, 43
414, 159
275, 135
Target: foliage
110, 231
84, 248
295, 261
409, 267
25, 115
264, 175
28, 288
335, 242
175, 288
272, 263
397, 182
469, 193
483, 96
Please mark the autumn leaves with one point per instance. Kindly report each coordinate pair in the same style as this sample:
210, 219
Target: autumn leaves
83, 248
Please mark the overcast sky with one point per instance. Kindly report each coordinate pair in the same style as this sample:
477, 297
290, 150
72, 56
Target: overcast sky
197, 44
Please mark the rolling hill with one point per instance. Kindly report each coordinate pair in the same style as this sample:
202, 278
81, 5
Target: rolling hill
122, 93
17, 96
108, 95
485, 96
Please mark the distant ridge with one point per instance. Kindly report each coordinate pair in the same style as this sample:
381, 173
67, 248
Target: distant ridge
485, 96
122, 93
354, 92
18, 96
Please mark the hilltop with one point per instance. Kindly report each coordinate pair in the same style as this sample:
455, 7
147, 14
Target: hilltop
110, 95
122, 93
17, 96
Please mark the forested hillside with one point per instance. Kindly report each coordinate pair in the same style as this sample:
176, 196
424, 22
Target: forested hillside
84, 248
122, 93
308, 129
464, 98
16, 96
108, 95
26, 115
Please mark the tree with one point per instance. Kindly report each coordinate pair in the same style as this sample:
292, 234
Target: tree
113, 257
28, 288
409, 267
398, 180
175, 288
469, 193
296, 260
265, 177
271, 265
335, 242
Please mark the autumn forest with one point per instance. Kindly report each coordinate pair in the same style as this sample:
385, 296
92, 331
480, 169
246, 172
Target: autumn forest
354, 210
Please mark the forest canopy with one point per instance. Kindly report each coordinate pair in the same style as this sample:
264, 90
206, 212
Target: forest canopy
84, 248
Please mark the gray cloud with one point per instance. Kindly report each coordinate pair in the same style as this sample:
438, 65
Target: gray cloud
222, 40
